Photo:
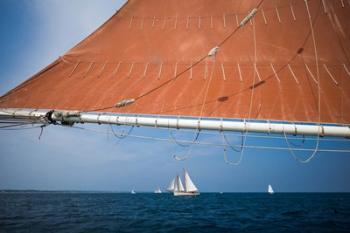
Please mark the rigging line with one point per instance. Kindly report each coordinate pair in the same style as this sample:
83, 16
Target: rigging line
293, 57
190, 145
20, 128
122, 135
206, 91
199, 61
20, 121
14, 125
215, 144
230, 145
179, 143
267, 136
244, 136
41, 131
291, 150
225, 154
185, 157
303, 140
170, 131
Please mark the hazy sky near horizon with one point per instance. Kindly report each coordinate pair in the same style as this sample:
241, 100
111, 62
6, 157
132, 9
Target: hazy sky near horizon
33, 34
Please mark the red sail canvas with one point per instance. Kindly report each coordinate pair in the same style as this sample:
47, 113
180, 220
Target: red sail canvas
274, 68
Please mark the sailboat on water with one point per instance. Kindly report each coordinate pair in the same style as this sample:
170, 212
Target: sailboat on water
158, 190
177, 188
270, 190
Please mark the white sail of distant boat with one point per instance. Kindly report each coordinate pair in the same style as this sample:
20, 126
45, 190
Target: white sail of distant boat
133, 191
178, 185
189, 190
189, 186
171, 186
270, 190
158, 190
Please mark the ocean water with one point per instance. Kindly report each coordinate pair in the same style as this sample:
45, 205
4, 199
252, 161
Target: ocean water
146, 212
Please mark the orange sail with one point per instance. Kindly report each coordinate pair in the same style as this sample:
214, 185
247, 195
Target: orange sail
288, 62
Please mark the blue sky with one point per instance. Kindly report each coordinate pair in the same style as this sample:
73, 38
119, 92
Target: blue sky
36, 32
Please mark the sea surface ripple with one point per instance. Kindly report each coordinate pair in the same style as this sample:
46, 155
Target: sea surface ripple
145, 212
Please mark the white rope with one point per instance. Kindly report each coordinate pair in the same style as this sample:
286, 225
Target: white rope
244, 136
252, 135
185, 157
314, 152
229, 144
201, 113
227, 161
122, 134
216, 144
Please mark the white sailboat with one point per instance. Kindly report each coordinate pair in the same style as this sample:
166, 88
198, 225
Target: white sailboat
270, 190
133, 191
158, 190
171, 186
189, 190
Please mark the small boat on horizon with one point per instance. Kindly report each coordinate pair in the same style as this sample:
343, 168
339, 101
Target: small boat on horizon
158, 190
178, 189
133, 191
270, 190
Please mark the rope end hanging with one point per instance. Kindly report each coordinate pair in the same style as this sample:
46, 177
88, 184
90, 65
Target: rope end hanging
41, 131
